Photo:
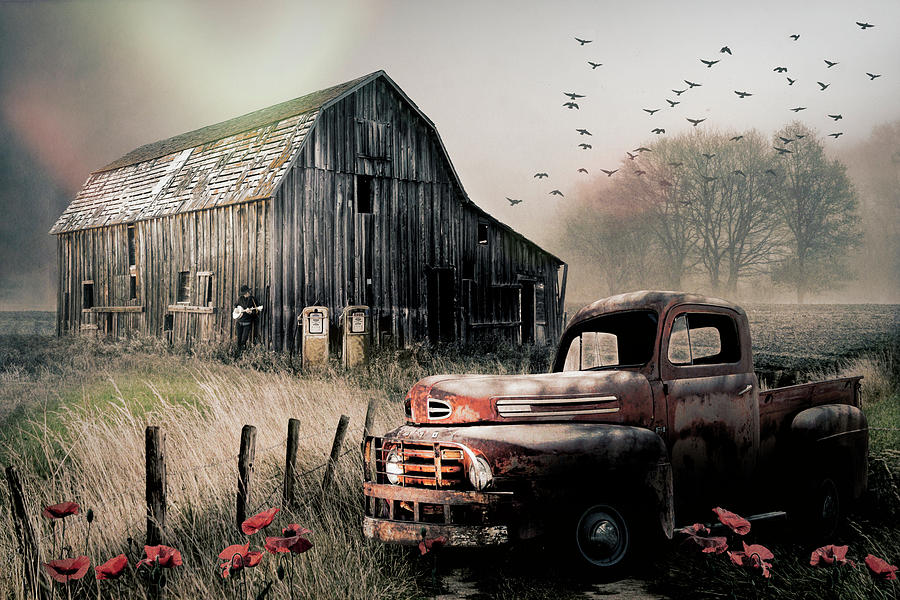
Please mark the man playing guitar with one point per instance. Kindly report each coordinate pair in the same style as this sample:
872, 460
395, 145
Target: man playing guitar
245, 313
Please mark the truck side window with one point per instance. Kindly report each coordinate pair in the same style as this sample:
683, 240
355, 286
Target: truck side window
703, 339
680, 342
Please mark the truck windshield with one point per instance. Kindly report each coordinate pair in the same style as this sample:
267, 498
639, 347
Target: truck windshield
615, 340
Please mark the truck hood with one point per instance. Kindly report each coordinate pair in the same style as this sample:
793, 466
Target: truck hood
593, 396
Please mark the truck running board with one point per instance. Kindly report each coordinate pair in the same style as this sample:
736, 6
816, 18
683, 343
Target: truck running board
777, 514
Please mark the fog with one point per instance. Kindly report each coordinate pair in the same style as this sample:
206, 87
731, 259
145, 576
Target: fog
82, 83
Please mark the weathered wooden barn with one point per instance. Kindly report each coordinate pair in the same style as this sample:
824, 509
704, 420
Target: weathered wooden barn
344, 196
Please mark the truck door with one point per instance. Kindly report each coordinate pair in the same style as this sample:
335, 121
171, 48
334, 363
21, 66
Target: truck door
713, 407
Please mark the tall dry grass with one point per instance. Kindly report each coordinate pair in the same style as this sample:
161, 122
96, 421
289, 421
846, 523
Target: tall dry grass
102, 468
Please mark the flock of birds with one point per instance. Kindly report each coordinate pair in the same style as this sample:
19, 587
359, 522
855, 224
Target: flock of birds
574, 97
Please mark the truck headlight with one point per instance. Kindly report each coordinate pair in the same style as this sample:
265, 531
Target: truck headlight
480, 473
393, 466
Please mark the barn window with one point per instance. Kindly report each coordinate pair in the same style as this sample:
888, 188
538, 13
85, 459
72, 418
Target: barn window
87, 294
540, 307
373, 139
131, 250
183, 292
365, 192
132, 287
205, 288
482, 234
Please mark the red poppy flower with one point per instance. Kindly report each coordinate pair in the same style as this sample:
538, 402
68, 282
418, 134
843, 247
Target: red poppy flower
257, 522
881, 567
164, 556
113, 568
696, 529
426, 546
65, 570
238, 557
710, 545
61, 511
292, 540
736, 523
830, 555
755, 556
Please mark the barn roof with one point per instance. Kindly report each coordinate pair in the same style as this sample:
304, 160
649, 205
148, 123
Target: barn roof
237, 160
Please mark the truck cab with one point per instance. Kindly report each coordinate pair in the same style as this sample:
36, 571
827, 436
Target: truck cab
651, 415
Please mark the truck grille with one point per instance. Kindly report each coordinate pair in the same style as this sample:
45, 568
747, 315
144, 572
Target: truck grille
424, 464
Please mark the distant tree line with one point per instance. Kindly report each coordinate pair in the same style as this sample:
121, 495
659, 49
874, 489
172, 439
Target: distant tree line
733, 207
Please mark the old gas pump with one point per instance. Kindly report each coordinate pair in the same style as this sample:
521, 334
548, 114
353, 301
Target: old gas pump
314, 325
356, 327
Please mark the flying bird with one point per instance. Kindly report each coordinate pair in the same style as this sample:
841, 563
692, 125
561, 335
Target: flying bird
790, 81
708, 63
631, 156
639, 172
836, 117
609, 173
737, 138
742, 94
573, 95
582, 170
782, 150
780, 69
696, 122
595, 65
739, 172
658, 130
771, 172
795, 36
725, 50
785, 140
570, 105
864, 26
800, 136
691, 84
708, 155
872, 76
823, 85
672, 103
540, 175
583, 42
798, 108
836, 135
512, 201
642, 149
829, 63
679, 92
557, 193
583, 132
585, 146
651, 110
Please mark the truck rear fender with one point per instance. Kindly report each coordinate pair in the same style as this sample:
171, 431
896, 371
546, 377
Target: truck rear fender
833, 438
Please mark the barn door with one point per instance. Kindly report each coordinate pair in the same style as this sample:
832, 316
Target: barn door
527, 312
441, 305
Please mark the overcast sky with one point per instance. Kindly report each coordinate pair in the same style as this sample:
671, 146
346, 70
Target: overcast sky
82, 83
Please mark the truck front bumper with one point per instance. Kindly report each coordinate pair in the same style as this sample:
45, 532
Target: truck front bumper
407, 515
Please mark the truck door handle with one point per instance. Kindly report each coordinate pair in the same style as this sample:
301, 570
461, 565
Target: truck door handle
748, 388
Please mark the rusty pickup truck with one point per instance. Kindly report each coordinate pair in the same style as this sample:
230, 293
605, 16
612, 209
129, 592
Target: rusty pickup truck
651, 415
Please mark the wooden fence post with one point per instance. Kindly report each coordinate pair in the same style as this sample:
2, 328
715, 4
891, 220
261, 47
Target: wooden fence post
155, 445
245, 470
290, 463
370, 422
25, 533
339, 434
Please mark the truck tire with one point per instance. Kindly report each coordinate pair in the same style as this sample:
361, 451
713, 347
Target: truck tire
820, 510
604, 539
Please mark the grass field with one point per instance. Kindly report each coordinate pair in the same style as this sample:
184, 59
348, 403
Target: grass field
73, 411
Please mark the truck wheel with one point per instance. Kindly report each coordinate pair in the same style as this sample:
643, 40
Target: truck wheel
604, 539
820, 509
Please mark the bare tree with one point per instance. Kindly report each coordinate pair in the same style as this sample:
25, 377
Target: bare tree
817, 204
